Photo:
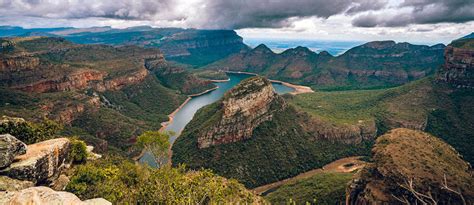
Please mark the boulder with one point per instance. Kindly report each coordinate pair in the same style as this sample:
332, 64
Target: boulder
41, 162
44, 195
9, 184
10, 147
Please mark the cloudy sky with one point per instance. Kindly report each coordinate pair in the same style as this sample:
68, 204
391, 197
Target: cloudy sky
427, 21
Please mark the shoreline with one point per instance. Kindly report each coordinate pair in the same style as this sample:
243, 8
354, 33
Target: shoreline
297, 89
171, 115
220, 81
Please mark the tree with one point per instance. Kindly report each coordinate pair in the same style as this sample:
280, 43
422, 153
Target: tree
157, 144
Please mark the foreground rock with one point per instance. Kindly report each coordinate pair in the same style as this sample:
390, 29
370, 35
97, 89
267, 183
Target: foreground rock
45, 195
41, 162
10, 147
413, 167
9, 184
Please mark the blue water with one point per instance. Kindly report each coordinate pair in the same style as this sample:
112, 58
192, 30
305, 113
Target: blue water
186, 113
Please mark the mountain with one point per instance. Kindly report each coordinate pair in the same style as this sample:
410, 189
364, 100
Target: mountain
253, 135
412, 167
468, 36
104, 94
188, 46
371, 65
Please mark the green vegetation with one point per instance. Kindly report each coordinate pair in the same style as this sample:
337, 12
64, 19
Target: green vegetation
210, 74
324, 188
423, 104
29, 132
278, 149
372, 65
121, 182
156, 143
467, 43
409, 163
78, 152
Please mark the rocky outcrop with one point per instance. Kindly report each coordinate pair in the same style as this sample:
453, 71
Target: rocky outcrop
412, 167
10, 147
9, 184
45, 195
19, 63
243, 108
458, 69
345, 133
77, 80
41, 162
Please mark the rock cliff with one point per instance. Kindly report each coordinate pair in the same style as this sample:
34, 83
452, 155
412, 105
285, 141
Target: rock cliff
458, 69
412, 167
41, 162
10, 147
244, 108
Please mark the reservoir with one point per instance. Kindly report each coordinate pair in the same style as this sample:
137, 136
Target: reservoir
186, 113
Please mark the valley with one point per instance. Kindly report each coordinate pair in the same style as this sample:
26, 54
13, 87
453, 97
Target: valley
215, 122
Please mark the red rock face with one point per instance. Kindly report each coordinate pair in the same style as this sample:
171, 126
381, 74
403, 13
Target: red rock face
74, 81
19, 63
458, 69
244, 108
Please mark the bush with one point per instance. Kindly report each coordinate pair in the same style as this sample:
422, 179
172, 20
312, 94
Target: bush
124, 182
78, 153
29, 132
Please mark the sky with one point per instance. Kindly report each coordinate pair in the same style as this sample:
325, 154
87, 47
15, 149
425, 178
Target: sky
424, 21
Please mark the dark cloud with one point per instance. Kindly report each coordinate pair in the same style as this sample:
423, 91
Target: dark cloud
120, 9
422, 12
278, 13
230, 14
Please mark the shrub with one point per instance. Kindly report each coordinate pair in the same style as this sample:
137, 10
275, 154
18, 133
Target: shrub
29, 132
78, 153
124, 182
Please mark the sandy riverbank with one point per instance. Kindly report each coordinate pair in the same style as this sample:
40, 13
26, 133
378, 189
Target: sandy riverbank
340, 166
220, 81
298, 89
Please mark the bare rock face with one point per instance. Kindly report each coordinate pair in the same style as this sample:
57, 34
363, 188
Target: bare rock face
44, 195
41, 161
9, 184
414, 167
459, 64
10, 147
243, 108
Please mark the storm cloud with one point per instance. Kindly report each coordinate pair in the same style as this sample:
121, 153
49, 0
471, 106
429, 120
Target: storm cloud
239, 14
420, 12
228, 14
119, 9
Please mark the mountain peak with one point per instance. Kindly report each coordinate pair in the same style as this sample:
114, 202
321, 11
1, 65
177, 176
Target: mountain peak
262, 48
379, 44
300, 50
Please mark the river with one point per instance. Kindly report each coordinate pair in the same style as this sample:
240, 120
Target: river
186, 113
